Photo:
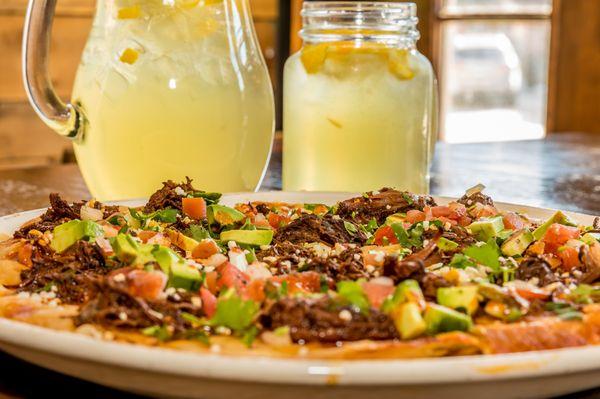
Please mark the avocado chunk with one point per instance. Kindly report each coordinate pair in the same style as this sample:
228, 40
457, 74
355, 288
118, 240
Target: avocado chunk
165, 257
439, 319
445, 244
516, 244
181, 240
559, 218
459, 298
125, 247
223, 215
181, 275
67, 234
185, 276
487, 228
248, 237
395, 218
406, 291
408, 320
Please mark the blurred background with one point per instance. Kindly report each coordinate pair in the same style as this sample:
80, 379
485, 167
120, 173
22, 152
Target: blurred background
508, 69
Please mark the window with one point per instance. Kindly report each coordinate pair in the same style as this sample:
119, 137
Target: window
493, 59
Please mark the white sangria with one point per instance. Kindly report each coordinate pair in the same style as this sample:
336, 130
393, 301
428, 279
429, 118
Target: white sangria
170, 89
359, 104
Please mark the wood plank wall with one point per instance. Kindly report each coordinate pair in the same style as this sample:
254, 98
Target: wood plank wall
574, 90
24, 140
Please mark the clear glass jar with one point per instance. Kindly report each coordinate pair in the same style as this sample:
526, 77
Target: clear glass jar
359, 100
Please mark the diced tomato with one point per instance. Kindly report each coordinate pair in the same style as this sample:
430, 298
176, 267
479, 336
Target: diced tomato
145, 235
320, 210
557, 235
205, 249
210, 280
513, 221
194, 208
569, 257
457, 210
531, 294
488, 211
377, 293
209, 302
385, 232
415, 216
445, 220
301, 282
276, 220
146, 285
261, 221
229, 276
438, 211
110, 231
465, 221
24, 254
480, 211
255, 291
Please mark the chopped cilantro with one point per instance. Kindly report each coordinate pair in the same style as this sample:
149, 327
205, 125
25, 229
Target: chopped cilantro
352, 292
408, 199
460, 261
249, 336
161, 333
235, 313
585, 294
410, 238
197, 232
209, 198
168, 215
486, 254
564, 310
350, 228
324, 285
197, 335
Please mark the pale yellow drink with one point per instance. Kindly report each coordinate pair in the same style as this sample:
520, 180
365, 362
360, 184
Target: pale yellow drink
357, 118
171, 91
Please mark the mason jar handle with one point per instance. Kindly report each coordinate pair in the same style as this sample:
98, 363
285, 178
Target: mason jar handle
66, 119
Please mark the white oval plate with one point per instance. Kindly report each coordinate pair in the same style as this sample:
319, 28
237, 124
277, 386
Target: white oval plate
165, 372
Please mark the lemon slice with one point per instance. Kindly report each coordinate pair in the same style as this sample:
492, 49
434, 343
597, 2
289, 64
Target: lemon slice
313, 57
398, 63
132, 12
129, 56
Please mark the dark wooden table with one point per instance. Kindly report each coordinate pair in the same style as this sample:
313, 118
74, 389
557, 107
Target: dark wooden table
562, 171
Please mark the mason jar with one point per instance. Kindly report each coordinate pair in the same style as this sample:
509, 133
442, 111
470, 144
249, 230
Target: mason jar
359, 100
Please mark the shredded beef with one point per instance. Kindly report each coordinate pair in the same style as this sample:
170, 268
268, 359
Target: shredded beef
289, 258
167, 197
590, 258
382, 204
318, 320
536, 267
413, 267
67, 272
344, 266
59, 212
311, 228
477, 198
113, 306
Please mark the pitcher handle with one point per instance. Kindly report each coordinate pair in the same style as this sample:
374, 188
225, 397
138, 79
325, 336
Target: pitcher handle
66, 119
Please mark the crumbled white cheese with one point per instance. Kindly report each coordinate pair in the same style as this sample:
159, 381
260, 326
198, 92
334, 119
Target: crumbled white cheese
345, 315
119, 278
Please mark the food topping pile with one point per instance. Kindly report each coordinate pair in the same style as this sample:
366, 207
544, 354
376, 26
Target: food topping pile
385, 266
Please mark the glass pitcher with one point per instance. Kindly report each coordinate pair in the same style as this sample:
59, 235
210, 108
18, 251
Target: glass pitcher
359, 100
165, 89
